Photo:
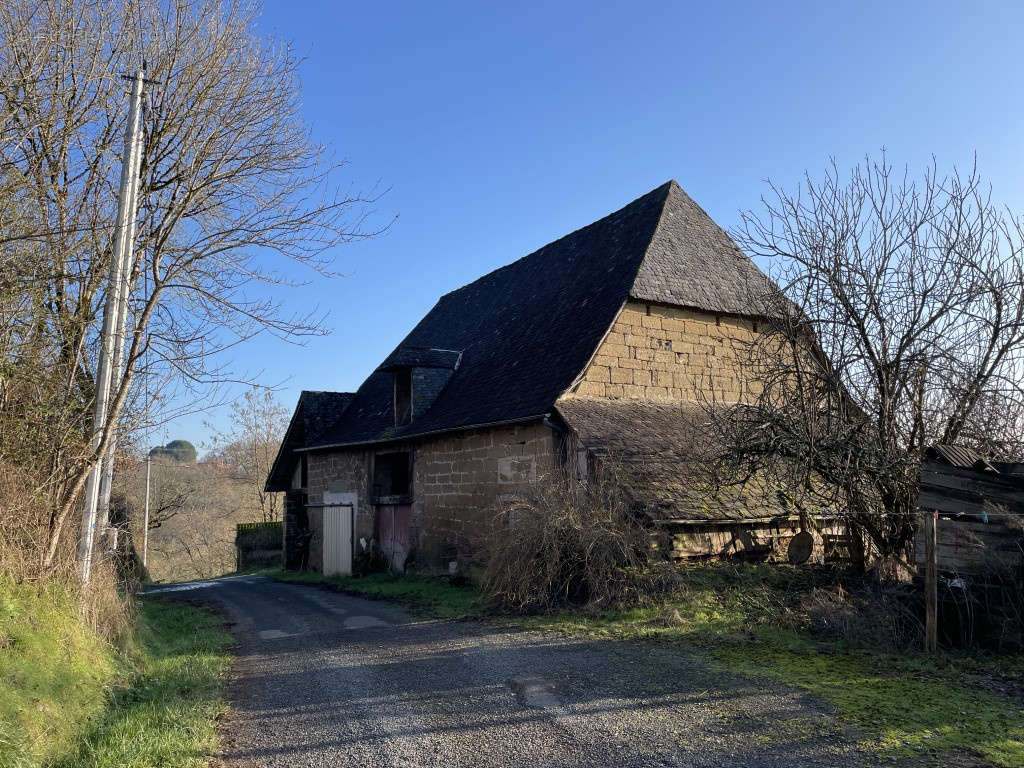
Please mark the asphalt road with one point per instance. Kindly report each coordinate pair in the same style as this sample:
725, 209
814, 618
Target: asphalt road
325, 679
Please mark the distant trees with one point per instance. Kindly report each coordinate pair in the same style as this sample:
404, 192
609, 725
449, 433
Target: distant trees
193, 510
178, 450
231, 189
258, 424
900, 323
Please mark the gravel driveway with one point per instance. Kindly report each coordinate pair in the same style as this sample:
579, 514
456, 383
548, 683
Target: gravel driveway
325, 679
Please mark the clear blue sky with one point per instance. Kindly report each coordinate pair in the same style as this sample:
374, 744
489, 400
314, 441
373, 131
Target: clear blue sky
499, 127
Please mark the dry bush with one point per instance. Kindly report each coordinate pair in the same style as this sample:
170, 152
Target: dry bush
106, 605
569, 543
878, 616
107, 602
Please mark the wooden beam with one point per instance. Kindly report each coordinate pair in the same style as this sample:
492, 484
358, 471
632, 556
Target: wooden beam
931, 591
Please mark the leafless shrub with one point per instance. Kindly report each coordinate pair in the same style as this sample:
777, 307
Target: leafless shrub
258, 424
194, 509
984, 609
882, 618
570, 543
899, 324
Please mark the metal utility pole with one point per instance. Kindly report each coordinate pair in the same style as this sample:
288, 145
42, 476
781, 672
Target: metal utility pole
117, 290
145, 522
107, 477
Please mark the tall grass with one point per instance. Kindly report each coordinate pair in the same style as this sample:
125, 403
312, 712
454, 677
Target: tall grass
55, 671
62, 645
163, 711
88, 678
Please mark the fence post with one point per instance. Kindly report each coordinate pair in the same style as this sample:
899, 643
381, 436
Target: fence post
931, 579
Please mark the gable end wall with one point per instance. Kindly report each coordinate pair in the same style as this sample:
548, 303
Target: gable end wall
671, 354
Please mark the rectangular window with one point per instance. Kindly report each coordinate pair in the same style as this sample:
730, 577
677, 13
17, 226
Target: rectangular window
304, 472
391, 476
403, 396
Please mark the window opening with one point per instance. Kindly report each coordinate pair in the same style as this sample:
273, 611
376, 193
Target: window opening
391, 474
403, 396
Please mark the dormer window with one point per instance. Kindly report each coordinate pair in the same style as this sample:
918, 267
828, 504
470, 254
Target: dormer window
418, 375
403, 396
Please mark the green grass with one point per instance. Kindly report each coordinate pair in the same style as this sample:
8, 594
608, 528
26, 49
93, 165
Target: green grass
165, 713
431, 598
54, 674
748, 620
70, 700
905, 704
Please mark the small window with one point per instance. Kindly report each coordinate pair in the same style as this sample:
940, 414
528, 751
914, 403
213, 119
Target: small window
304, 471
391, 474
403, 396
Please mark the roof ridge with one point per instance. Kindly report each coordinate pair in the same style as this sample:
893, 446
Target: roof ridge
667, 186
686, 263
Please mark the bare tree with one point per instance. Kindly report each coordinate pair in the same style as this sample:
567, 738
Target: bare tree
258, 424
194, 508
232, 189
900, 323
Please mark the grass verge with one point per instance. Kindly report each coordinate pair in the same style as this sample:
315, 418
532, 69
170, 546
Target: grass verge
748, 619
68, 699
431, 598
54, 674
166, 709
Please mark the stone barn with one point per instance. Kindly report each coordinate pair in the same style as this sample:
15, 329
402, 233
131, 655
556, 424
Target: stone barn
600, 344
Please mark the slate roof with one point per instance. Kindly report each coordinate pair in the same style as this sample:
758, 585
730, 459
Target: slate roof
420, 357
316, 414
661, 455
525, 331
692, 262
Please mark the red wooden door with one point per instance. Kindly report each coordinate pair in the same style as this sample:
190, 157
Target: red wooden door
393, 522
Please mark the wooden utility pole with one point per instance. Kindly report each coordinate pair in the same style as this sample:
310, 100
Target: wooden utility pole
117, 290
931, 581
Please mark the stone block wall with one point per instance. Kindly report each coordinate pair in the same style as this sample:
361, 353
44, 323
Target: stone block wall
672, 354
458, 480
339, 472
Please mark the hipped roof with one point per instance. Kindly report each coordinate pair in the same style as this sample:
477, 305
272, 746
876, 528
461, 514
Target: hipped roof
525, 331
